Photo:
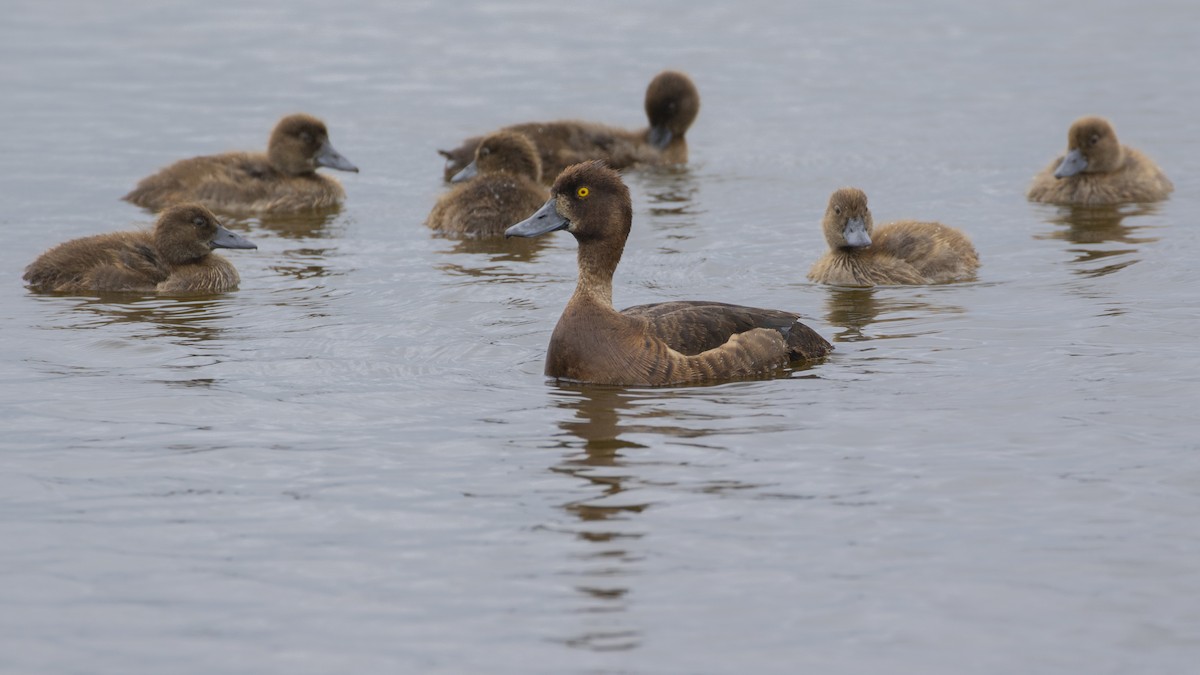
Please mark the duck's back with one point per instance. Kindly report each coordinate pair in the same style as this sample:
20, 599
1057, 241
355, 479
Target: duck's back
564, 143
235, 182
691, 327
937, 252
486, 205
1138, 179
122, 261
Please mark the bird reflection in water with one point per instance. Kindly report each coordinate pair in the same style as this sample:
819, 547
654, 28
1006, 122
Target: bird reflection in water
892, 313
191, 324
1105, 243
671, 193
306, 262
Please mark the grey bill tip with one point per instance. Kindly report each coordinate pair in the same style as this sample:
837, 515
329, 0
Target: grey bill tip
1071, 165
546, 219
328, 157
229, 239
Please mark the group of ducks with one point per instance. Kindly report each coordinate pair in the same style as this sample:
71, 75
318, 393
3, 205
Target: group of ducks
502, 178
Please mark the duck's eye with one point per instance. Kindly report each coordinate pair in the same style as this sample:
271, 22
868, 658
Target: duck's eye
485, 151
199, 222
306, 137
1094, 139
837, 210
583, 192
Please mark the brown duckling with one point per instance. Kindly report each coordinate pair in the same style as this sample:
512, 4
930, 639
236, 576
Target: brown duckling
176, 258
672, 103
501, 186
659, 344
1097, 169
284, 179
904, 252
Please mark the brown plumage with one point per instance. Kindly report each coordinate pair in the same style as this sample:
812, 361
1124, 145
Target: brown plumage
1097, 169
660, 344
672, 103
176, 258
505, 188
281, 180
904, 252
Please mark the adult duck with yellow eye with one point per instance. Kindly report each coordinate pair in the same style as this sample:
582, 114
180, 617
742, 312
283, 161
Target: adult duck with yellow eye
672, 103
175, 259
1097, 169
904, 252
284, 179
659, 344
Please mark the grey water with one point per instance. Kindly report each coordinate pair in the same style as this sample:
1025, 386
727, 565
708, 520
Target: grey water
355, 464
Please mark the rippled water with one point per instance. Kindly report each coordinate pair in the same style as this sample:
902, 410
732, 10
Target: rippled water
354, 464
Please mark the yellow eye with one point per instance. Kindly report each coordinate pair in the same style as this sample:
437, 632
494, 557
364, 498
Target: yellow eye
583, 192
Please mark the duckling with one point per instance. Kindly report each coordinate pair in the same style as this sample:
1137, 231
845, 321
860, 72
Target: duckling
672, 103
904, 252
282, 180
1097, 169
659, 344
498, 188
176, 258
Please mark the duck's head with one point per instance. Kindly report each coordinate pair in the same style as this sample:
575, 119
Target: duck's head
1092, 147
589, 200
847, 220
672, 103
504, 152
188, 232
300, 144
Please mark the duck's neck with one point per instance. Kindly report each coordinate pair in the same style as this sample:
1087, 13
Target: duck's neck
597, 262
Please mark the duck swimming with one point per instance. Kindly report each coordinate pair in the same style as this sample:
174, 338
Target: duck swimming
672, 103
1097, 169
176, 258
284, 179
658, 344
501, 186
904, 252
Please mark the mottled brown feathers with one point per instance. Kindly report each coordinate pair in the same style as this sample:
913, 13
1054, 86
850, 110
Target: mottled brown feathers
905, 252
281, 180
176, 258
506, 189
668, 343
1106, 172
672, 104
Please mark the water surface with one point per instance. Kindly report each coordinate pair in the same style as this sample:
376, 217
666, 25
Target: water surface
354, 464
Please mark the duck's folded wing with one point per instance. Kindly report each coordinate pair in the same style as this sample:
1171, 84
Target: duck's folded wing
692, 327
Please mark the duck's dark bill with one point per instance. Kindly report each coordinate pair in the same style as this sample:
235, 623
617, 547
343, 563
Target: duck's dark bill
469, 171
545, 220
1072, 164
855, 233
333, 159
229, 239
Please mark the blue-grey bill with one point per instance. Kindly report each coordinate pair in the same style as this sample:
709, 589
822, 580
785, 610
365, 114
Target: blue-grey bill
855, 233
546, 219
660, 137
469, 171
327, 156
1072, 164
229, 239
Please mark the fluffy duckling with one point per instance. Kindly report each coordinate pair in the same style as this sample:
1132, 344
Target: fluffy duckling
672, 103
501, 186
659, 344
1097, 169
176, 258
284, 179
904, 252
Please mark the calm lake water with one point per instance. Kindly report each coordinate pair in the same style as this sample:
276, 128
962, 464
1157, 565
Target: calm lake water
354, 464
